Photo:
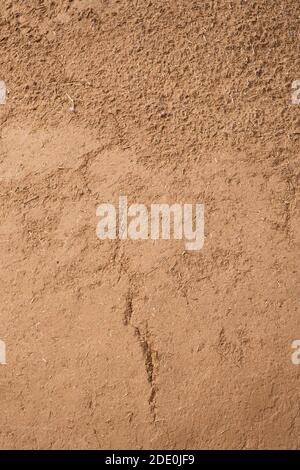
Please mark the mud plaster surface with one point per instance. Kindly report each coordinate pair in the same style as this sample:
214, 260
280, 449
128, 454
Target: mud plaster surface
134, 344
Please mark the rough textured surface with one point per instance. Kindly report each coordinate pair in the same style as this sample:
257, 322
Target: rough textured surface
135, 344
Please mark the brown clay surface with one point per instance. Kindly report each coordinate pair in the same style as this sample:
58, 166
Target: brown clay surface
134, 344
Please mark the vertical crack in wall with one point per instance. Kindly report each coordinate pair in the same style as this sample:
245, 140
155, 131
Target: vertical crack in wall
149, 354
150, 357
128, 309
